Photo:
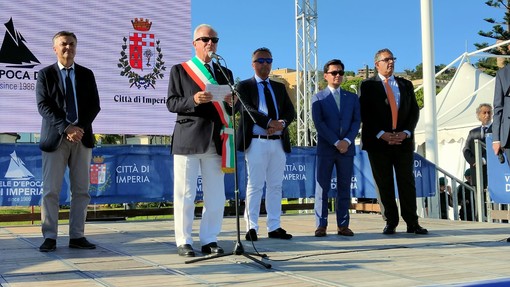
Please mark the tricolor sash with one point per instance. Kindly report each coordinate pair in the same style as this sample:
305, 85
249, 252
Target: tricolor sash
201, 76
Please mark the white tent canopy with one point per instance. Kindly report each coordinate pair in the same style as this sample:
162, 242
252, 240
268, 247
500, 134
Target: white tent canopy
457, 102
456, 115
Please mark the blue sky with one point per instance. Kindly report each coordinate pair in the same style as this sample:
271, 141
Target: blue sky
351, 30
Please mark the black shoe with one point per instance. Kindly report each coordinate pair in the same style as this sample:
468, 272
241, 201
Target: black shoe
212, 248
81, 243
48, 245
416, 229
251, 235
185, 250
279, 233
389, 229
508, 239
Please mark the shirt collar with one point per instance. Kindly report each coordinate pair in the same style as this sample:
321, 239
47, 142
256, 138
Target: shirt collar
332, 90
202, 61
390, 79
61, 67
259, 79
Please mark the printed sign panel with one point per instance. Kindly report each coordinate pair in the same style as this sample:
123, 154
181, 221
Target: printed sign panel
130, 48
498, 175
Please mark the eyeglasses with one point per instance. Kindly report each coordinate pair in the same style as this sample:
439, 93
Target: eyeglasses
334, 73
262, 60
207, 39
386, 60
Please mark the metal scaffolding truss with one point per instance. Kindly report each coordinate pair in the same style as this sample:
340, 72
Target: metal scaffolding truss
307, 75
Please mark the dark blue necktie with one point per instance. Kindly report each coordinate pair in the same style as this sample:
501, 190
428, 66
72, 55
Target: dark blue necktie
271, 111
208, 67
71, 111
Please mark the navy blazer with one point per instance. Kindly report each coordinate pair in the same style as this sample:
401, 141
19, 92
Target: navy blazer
196, 125
50, 97
249, 94
376, 113
333, 124
501, 118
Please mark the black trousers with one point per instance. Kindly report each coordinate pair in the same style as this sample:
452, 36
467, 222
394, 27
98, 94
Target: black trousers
383, 164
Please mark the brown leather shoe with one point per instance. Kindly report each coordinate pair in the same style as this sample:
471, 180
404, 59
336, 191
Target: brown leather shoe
320, 232
345, 231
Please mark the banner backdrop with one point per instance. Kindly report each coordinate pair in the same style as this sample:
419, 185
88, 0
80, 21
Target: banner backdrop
129, 45
143, 173
498, 175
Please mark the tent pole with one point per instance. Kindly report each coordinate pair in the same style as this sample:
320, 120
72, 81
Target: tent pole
429, 92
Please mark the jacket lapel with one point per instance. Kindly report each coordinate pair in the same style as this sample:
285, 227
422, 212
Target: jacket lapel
402, 100
276, 96
59, 77
343, 102
255, 93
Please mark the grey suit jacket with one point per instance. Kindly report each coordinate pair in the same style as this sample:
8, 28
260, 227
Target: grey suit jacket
501, 119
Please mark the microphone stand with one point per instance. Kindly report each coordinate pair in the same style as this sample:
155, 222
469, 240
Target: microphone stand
238, 247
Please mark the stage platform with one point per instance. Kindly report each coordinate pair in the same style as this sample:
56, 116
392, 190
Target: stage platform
143, 253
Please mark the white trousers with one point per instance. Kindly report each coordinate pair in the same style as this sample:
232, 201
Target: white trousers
186, 171
265, 163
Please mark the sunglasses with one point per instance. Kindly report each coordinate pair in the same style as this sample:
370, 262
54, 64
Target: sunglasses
262, 60
386, 60
334, 73
207, 39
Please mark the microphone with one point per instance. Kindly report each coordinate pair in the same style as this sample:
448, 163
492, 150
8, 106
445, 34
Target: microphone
213, 55
501, 157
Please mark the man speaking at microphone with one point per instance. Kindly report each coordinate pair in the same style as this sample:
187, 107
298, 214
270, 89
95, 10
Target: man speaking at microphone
197, 142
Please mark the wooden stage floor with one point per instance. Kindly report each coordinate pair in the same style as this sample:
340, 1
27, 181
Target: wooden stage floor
143, 253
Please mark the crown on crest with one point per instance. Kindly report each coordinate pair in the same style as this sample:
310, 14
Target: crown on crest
141, 24
98, 159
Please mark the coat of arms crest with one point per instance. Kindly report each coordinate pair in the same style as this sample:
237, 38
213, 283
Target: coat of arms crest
144, 54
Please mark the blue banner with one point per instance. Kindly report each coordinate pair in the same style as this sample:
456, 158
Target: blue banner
363, 184
144, 173
498, 175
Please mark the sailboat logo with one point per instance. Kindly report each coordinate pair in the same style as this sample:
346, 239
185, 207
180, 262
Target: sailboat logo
14, 52
17, 169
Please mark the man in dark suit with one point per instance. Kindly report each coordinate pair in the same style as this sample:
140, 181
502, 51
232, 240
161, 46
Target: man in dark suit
68, 101
389, 114
501, 124
484, 115
336, 115
196, 143
265, 143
